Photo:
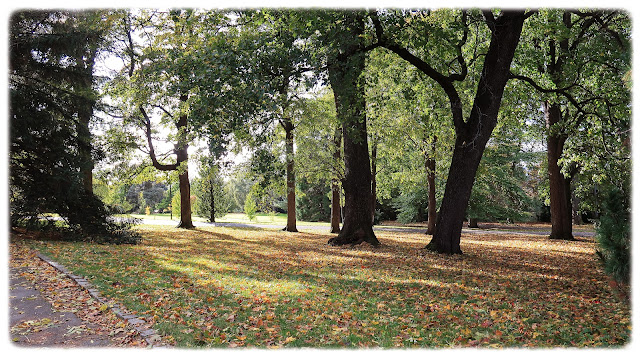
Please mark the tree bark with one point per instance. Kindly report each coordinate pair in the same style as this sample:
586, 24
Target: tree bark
559, 186
336, 209
472, 135
291, 179
212, 200
575, 209
182, 156
473, 222
85, 112
374, 170
430, 166
182, 160
346, 65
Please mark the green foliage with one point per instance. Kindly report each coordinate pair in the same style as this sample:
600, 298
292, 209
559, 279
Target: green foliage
312, 201
498, 192
412, 204
250, 206
209, 188
614, 237
51, 99
175, 204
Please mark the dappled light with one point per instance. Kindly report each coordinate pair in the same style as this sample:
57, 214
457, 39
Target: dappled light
236, 287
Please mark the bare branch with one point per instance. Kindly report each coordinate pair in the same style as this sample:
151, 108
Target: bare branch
152, 154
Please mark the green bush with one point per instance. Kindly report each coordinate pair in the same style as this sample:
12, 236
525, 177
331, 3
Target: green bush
614, 237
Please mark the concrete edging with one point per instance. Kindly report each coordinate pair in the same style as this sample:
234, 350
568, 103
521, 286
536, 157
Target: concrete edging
149, 335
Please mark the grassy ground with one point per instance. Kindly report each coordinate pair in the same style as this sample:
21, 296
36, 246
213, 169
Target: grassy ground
230, 287
261, 218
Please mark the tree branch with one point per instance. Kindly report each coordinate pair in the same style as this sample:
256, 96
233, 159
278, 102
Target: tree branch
152, 154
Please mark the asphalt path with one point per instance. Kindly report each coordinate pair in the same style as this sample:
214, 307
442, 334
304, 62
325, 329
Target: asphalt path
375, 228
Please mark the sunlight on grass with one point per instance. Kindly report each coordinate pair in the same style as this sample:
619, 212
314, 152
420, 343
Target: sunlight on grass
221, 287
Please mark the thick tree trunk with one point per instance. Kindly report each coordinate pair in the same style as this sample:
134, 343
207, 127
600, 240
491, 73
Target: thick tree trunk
336, 208
85, 112
185, 187
291, 179
345, 75
559, 186
430, 166
374, 170
472, 136
464, 164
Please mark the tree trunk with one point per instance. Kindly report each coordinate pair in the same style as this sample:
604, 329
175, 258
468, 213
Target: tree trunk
464, 164
575, 209
185, 187
346, 65
212, 201
472, 136
336, 209
473, 222
182, 160
291, 179
559, 186
430, 166
85, 112
374, 170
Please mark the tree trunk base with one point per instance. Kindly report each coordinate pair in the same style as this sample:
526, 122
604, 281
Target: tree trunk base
289, 229
356, 237
185, 225
434, 247
335, 230
566, 237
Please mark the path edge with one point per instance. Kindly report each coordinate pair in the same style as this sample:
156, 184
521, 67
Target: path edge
149, 335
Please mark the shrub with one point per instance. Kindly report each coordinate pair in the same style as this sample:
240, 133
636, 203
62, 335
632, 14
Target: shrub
614, 238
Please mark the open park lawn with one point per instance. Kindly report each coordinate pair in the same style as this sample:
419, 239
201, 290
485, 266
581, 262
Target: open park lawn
231, 287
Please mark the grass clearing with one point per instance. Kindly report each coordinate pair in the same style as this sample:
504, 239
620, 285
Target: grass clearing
239, 287
261, 218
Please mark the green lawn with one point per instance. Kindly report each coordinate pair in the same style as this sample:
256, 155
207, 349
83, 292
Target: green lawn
261, 218
237, 287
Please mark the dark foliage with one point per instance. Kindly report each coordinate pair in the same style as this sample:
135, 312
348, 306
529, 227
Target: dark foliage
48, 89
313, 203
614, 237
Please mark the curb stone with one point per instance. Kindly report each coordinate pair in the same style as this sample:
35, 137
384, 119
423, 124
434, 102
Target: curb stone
149, 335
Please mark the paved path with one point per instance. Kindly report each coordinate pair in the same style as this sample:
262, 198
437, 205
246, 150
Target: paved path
34, 322
47, 309
375, 228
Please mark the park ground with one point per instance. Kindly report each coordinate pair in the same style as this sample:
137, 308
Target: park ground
222, 286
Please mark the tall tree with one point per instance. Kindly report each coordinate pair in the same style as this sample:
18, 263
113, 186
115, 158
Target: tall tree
52, 99
346, 63
578, 54
179, 70
471, 135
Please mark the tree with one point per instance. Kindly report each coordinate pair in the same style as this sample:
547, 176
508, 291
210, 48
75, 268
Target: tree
51, 100
346, 63
411, 124
577, 61
209, 188
318, 150
281, 63
181, 73
472, 134
614, 239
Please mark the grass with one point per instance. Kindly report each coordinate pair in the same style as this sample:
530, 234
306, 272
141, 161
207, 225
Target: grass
261, 218
232, 287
